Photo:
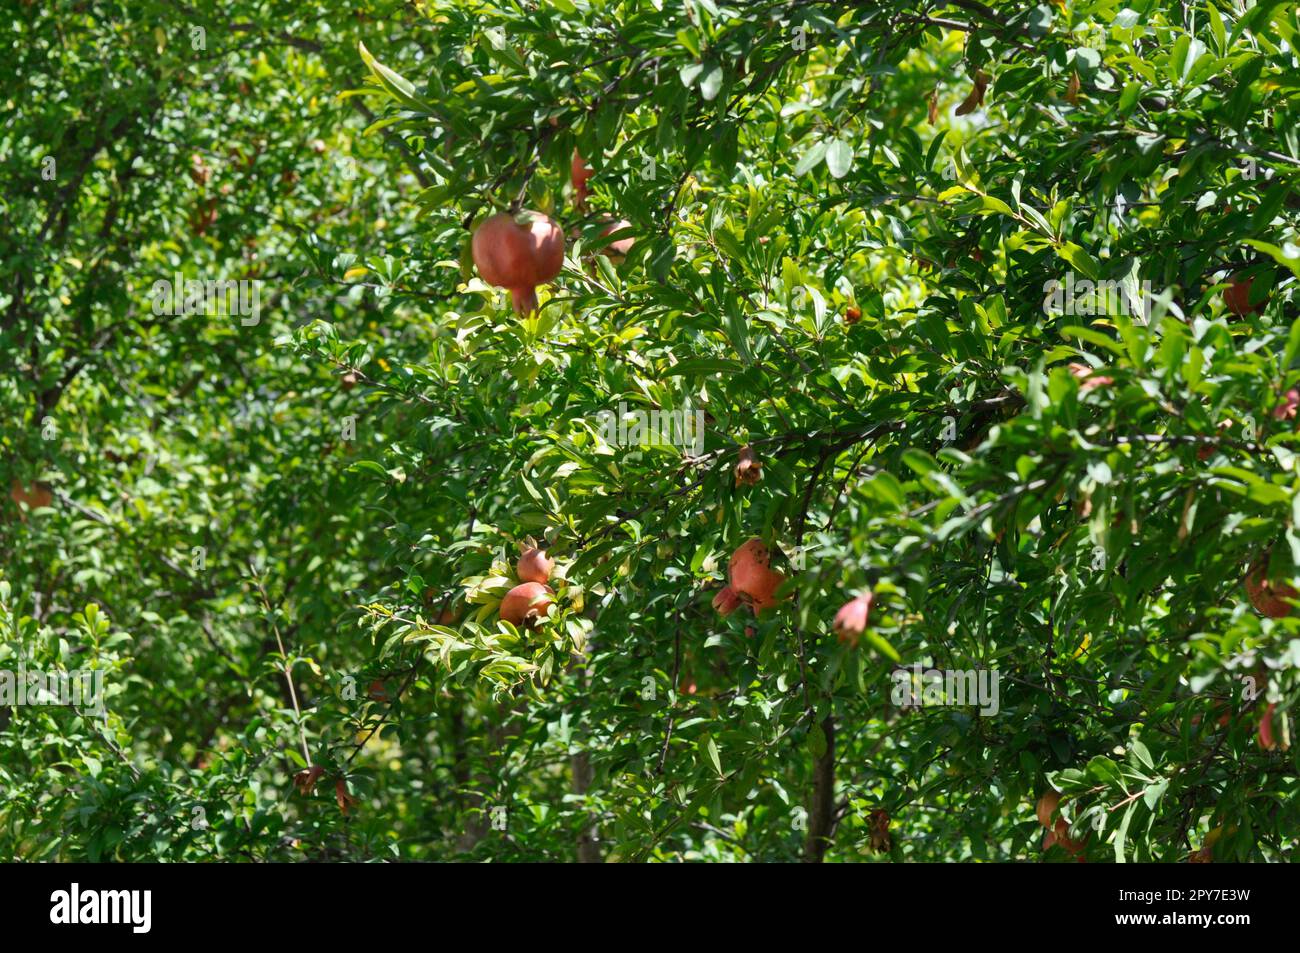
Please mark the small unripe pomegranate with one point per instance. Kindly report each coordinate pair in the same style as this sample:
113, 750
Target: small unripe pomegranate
1267, 597
752, 575
534, 566
852, 315
519, 252
851, 620
525, 604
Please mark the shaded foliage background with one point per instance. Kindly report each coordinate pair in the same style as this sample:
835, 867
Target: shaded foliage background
782, 165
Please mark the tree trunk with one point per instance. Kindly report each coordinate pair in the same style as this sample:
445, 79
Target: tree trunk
821, 816
588, 846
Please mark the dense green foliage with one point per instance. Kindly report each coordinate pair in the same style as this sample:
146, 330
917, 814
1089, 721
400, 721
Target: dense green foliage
284, 541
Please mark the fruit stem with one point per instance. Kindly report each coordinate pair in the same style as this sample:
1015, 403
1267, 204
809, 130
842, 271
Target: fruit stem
524, 301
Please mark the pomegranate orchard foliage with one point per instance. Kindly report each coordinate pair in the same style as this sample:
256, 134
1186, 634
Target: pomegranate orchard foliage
986, 313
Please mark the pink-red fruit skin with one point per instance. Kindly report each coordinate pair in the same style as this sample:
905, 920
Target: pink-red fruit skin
752, 575
534, 566
525, 604
726, 601
518, 252
851, 620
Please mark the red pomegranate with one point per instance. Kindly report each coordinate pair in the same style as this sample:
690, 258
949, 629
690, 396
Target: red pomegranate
851, 620
1047, 805
726, 601
1266, 739
752, 575
1062, 832
526, 603
1269, 598
616, 251
579, 173
534, 566
519, 252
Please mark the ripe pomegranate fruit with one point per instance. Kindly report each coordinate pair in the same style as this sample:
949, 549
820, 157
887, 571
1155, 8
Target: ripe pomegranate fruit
1237, 297
1062, 832
1267, 597
519, 252
1047, 805
851, 620
616, 251
525, 604
727, 600
579, 173
753, 577
534, 566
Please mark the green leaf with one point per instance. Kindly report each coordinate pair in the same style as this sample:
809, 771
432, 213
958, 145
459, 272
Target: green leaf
711, 82
839, 158
811, 158
712, 750
395, 85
